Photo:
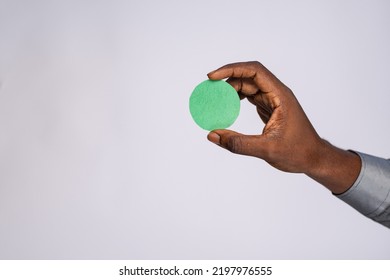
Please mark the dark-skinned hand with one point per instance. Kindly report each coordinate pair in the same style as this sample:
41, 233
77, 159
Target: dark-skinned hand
288, 141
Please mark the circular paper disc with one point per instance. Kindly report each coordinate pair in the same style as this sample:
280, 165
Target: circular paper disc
214, 105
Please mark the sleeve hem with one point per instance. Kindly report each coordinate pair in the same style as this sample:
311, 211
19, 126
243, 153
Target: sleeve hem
370, 193
358, 179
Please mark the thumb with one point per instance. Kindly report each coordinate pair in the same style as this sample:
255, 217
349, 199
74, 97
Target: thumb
250, 145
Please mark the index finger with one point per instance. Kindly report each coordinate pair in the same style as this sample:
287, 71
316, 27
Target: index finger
263, 78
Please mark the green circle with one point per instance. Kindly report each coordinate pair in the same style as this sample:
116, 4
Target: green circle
214, 105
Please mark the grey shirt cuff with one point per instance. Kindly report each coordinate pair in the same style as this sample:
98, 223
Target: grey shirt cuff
370, 194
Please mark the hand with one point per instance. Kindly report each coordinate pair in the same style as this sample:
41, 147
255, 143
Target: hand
288, 142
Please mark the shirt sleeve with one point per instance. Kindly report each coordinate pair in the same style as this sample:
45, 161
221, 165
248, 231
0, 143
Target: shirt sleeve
370, 194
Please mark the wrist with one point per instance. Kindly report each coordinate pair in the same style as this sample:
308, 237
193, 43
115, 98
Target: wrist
333, 167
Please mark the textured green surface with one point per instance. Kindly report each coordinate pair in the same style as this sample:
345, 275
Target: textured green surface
214, 105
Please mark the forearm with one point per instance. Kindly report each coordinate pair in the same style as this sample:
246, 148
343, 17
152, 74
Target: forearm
361, 180
334, 168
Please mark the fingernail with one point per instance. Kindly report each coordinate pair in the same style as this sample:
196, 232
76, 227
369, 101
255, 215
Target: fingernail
214, 137
208, 75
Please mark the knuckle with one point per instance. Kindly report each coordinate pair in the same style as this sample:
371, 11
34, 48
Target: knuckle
287, 90
234, 144
255, 64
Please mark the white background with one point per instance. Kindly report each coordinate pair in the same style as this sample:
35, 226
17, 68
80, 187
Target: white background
99, 156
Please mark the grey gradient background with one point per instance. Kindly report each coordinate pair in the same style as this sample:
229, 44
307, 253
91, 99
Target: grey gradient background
99, 156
